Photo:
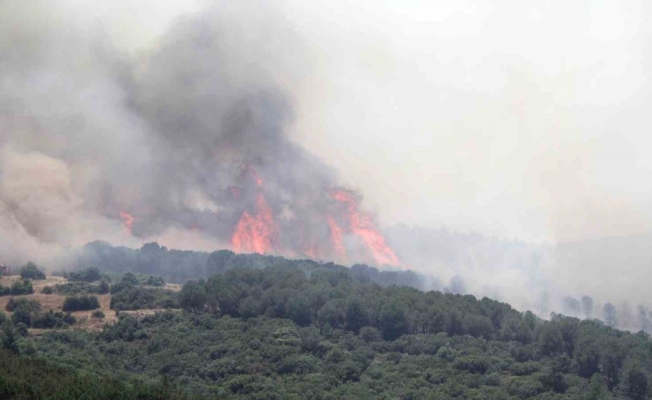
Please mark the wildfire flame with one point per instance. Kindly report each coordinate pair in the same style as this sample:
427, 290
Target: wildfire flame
127, 221
336, 239
258, 232
255, 233
313, 252
362, 225
252, 171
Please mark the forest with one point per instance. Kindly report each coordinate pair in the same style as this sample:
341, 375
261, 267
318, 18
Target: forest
262, 327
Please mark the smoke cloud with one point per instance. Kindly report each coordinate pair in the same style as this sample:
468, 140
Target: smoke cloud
186, 138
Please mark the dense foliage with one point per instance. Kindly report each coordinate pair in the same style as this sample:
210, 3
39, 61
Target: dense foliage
80, 303
81, 287
24, 378
31, 271
129, 294
90, 274
179, 266
28, 313
17, 288
137, 298
30, 305
311, 331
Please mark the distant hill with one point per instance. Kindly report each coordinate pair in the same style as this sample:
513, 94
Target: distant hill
270, 328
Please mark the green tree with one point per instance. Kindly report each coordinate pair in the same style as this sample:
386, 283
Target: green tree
9, 337
635, 382
193, 296
31, 271
550, 340
392, 318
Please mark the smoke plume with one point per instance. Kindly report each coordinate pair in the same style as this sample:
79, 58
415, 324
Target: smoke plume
187, 138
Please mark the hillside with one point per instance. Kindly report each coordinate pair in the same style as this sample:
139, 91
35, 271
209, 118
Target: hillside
297, 329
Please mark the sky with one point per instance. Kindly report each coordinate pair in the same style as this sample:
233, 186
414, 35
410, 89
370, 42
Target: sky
511, 118
520, 120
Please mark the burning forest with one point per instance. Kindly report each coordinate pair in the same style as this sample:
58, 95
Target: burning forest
189, 136
258, 231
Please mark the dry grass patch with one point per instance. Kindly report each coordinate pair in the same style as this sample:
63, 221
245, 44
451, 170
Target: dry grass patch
55, 301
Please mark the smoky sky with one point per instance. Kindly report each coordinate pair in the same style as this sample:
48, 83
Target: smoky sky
516, 119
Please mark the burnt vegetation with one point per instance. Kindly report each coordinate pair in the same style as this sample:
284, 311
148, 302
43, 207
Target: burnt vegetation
260, 327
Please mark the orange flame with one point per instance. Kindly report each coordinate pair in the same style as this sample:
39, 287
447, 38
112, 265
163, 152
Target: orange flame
254, 234
363, 226
127, 221
313, 252
336, 239
252, 171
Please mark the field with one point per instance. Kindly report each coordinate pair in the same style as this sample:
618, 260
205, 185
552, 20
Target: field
55, 302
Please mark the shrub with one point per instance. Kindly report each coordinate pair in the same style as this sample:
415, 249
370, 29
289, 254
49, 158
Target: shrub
52, 320
47, 290
24, 287
80, 303
30, 305
135, 298
130, 279
98, 314
22, 314
31, 271
91, 274
80, 287
152, 280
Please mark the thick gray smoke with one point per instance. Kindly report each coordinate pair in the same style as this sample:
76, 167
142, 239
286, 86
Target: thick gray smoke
180, 141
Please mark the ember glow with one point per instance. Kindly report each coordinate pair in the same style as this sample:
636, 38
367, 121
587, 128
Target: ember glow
127, 221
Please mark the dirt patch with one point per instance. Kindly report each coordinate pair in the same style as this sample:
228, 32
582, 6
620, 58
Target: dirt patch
55, 302
48, 301
175, 287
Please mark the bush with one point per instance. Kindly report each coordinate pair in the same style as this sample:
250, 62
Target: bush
152, 280
31, 271
52, 320
80, 287
18, 288
47, 290
22, 314
81, 303
127, 281
135, 298
98, 314
91, 274
130, 279
30, 305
